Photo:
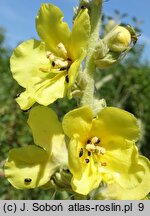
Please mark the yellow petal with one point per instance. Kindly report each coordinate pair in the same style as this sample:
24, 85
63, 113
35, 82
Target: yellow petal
50, 27
115, 191
73, 72
75, 164
28, 167
121, 162
89, 180
25, 100
26, 61
78, 121
46, 129
50, 90
80, 35
85, 175
113, 121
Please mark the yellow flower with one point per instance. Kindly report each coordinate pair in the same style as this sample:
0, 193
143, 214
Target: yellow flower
32, 166
48, 68
102, 149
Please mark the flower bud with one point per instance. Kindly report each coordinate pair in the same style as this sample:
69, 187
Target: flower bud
118, 39
108, 60
60, 180
114, 46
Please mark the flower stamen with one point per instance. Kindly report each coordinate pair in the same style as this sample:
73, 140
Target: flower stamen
50, 56
67, 79
95, 140
58, 63
53, 63
62, 49
103, 164
61, 63
100, 150
89, 153
93, 145
90, 148
81, 152
87, 160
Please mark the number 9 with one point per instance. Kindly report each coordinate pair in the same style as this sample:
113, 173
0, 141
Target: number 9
141, 206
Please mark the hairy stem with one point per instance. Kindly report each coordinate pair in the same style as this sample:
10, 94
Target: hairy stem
95, 18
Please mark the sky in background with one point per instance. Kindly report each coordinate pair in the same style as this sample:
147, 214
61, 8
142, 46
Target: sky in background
18, 17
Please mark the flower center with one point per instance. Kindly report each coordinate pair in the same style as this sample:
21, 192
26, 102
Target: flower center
93, 146
59, 64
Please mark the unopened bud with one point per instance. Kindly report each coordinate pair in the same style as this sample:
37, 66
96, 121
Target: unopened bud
119, 39
114, 46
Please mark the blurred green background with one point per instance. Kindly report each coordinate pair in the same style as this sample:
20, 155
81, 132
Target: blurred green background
126, 85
